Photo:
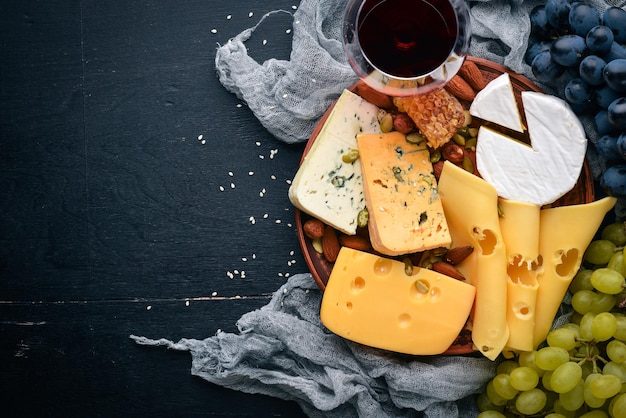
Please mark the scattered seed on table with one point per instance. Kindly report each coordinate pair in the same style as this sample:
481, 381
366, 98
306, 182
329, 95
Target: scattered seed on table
278, 221
200, 137
214, 294
244, 259
236, 272
229, 17
230, 275
258, 144
252, 220
231, 174
221, 188
251, 173
232, 185
273, 177
264, 41
149, 307
254, 256
294, 7
292, 252
265, 216
262, 157
187, 303
288, 181
239, 105
243, 274
250, 14
288, 31
213, 30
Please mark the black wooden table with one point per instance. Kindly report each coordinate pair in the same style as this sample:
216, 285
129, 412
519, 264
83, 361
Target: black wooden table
137, 196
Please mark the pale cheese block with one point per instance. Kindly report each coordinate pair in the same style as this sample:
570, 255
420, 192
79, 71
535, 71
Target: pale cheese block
325, 186
471, 208
401, 195
371, 300
519, 223
566, 232
545, 171
496, 103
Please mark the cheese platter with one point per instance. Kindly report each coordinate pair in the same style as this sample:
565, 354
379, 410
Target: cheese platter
321, 268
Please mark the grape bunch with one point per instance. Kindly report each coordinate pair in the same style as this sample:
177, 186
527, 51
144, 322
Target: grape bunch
574, 42
580, 370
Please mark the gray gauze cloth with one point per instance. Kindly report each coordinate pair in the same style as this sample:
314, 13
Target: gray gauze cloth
282, 349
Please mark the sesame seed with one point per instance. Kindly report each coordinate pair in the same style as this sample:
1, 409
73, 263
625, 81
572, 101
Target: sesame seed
284, 291
214, 294
244, 259
258, 144
232, 185
288, 31
292, 252
273, 177
229, 17
200, 137
251, 173
287, 274
243, 274
265, 216
252, 220
230, 173
203, 141
289, 225
261, 194
149, 307
239, 105
288, 181
236, 272
250, 14
264, 41
254, 256
285, 96
262, 157
186, 303
229, 274
221, 188
294, 7
281, 275
237, 297
278, 221
213, 30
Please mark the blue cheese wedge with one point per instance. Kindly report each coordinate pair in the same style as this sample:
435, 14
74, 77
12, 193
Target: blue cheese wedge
546, 170
496, 103
326, 186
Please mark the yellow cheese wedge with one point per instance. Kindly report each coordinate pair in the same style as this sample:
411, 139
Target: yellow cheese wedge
401, 195
371, 300
471, 208
519, 223
566, 232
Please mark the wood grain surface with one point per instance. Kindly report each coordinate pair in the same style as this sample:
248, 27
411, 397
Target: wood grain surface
116, 140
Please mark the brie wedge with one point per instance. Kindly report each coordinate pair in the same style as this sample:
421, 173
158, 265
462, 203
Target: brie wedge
325, 186
496, 103
545, 171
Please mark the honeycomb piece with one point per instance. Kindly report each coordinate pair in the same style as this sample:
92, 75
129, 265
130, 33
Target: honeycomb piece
437, 114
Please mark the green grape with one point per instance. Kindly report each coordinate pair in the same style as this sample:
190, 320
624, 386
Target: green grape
566, 377
617, 408
603, 302
620, 333
605, 386
527, 359
502, 386
524, 378
555, 415
484, 403
581, 281
531, 401
563, 337
493, 395
573, 400
585, 326
587, 369
491, 414
583, 300
545, 381
590, 399
614, 232
607, 280
549, 358
558, 408
618, 263
599, 252
506, 366
616, 351
603, 326
598, 413
616, 369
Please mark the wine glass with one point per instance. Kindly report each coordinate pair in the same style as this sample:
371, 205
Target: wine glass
406, 47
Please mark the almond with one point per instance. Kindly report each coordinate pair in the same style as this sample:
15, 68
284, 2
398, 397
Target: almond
456, 255
355, 242
471, 73
459, 88
448, 269
437, 169
374, 97
313, 228
330, 244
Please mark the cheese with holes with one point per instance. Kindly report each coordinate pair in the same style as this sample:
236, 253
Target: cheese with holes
566, 232
401, 195
545, 171
496, 103
325, 186
371, 300
471, 208
519, 223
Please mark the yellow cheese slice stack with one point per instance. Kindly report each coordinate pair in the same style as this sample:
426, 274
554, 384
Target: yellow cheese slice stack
371, 300
401, 195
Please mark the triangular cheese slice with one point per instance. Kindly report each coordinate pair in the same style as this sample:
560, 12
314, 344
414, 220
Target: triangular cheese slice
496, 103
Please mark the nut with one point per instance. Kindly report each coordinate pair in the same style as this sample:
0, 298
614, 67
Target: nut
355, 242
459, 88
330, 244
457, 255
403, 123
448, 269
374, 96
313, 228
437, 169
453, 153
471, 73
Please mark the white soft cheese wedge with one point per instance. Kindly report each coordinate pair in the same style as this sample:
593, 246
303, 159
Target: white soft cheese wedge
325, 186
496, 103
544, 172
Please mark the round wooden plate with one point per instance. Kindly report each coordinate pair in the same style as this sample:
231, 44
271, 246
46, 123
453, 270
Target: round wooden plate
582, 192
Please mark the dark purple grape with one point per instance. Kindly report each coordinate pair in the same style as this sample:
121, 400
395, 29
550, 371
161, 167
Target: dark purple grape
599, 39
615, 53
535, 49
615, 75
616, 113
582, 17
544, 69
603, 124
615, 18
607, 148
539, 25
557, 13
605, 96
621, 145
590, 70
568, 50
577, 91
613, 180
